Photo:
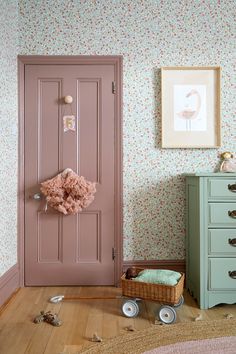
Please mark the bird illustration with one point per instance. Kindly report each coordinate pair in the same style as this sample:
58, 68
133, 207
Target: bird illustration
188, 113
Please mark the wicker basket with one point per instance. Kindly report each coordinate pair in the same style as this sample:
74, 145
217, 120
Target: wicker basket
167, 294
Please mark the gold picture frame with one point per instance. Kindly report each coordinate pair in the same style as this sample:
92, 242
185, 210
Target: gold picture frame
190, 99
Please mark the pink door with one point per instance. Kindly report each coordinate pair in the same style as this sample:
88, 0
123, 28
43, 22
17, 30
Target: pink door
69, 250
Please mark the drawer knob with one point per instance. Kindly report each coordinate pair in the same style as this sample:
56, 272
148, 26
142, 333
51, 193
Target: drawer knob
232, 187
232, 214
232, 242
232, 274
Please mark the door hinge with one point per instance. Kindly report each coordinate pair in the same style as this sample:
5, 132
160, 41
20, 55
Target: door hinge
113, 253
113, 87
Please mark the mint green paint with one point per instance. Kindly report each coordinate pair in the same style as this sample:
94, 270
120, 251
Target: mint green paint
209, 255
211, 174
219, 242
218, 188
219, 278
215, 297
218, 215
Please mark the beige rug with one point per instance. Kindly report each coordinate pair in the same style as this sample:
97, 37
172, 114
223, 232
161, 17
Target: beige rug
156, 336
223, 345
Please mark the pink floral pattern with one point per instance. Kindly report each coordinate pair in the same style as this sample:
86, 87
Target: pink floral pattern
8, 134
149, 34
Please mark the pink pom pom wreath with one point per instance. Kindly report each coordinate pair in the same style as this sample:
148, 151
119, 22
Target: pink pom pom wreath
68, 192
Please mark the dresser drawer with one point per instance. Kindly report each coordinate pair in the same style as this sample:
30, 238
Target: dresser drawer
222, 241
219, 214
222, 188
219, 277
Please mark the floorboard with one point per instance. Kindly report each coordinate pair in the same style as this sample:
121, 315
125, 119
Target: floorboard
81, 319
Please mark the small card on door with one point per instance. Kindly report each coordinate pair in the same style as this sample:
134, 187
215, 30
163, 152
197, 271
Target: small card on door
69, 123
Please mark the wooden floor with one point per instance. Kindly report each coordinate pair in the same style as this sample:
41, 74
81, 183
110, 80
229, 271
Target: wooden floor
81, 319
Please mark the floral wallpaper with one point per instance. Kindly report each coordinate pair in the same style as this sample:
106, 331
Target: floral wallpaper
8, 134
149, 34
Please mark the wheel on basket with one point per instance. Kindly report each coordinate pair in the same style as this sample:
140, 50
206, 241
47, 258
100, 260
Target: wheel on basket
130, 308
167, 314
180, 302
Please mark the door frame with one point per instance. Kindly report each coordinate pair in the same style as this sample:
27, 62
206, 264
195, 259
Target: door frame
117, 61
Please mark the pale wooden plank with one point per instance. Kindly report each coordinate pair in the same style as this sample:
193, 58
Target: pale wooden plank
81, 319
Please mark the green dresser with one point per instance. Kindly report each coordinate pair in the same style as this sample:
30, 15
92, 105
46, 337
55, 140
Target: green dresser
211, 238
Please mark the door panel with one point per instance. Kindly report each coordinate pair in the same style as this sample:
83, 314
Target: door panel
89, 237
69, 250
49, 91
91, 127
49, 252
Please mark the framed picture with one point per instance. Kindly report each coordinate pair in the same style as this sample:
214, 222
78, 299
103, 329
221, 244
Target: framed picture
191, 107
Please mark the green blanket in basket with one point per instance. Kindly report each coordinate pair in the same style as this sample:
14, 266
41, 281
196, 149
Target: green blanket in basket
158, 276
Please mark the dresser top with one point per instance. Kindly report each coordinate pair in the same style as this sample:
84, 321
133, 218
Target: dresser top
210, 174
